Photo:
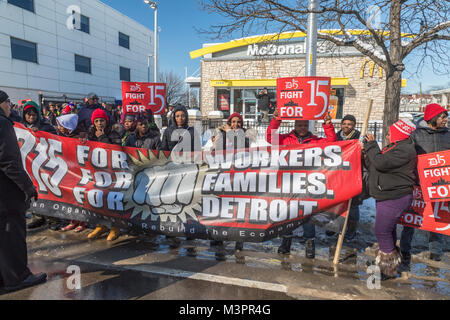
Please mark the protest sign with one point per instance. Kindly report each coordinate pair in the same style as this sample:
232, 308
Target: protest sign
303, 98
428, 216
140, 96
244, 195
434, 174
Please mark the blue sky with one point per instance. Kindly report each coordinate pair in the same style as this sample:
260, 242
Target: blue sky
178, 19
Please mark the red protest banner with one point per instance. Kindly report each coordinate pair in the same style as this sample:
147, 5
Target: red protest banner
140, 96
434, 174
252, 194
303, 98
428, 216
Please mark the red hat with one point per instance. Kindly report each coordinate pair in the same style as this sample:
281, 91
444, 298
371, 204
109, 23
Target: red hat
67, 110
235, 115
432, 110
401, 130
99, 113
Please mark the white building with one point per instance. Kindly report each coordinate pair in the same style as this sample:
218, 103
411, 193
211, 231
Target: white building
46, 46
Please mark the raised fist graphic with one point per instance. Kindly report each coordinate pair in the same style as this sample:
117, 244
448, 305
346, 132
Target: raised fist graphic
166, 189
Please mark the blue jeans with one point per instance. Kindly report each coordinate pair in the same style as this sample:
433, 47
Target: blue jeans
309, 231
434, 241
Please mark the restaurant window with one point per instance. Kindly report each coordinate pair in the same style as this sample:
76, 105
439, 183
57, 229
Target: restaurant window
339, 93
223, 102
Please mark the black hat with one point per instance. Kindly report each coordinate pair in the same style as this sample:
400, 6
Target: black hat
3, 96
92, 96
349, 117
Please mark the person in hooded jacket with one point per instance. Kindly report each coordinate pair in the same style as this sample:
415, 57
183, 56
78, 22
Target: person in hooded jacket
392, 175
101, 131
431, 135
300, 135
143, 137
175, 134
128, 126
31, 119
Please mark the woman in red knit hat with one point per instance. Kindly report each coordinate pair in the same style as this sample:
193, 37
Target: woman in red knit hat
431, 135
101, 131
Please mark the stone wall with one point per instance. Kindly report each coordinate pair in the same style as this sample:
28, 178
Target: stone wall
357, 92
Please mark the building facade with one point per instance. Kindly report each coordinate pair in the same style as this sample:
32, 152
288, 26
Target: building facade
68, 48
233, 73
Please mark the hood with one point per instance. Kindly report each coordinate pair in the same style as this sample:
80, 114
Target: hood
68, 121
31, 104
422, 124
180, 108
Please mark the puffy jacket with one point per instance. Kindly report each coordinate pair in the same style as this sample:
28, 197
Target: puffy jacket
392, 170
190, 133
222, 143
41, 124
148, 141
110, 136
428, 140
355, 136
15, 183
292, 137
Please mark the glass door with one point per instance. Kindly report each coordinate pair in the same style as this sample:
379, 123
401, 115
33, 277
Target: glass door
250, 102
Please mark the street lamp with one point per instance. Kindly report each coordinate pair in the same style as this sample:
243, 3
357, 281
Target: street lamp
153, 5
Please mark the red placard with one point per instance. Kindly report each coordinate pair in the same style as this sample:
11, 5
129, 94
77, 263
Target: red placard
303, 98
140, 96
434, 174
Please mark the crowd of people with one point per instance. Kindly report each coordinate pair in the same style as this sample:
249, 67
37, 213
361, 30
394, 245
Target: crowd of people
391, 171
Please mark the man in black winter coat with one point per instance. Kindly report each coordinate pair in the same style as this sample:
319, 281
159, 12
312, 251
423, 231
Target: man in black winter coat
16, 191
431, 135
144, 137
85, 114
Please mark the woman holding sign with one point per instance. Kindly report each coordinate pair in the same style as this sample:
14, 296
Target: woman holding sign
300, 135
431, 135
391, 182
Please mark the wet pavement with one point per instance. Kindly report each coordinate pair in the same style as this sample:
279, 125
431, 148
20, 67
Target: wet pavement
147, 268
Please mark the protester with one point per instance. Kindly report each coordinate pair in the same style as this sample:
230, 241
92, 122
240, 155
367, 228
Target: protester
16, 192
128, 126
175, 134
431, 135
170, 115
264, 104
221, 141
67, 109
101, 131
143, 137
348, 132
31, 119
52, 114
85, 114
67, 125
391, 182
300, 135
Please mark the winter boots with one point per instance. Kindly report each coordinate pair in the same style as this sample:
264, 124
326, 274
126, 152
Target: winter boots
285, 247
310, 249
388, 264
36, 222
405, 262
114, 233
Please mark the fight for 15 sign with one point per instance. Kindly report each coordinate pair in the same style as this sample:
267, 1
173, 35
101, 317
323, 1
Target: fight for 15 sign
140, 96
303, 98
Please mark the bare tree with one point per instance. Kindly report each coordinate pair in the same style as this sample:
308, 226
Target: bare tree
410, 26
175, 87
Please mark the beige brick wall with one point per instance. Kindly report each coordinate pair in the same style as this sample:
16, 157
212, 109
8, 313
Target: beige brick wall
357, 92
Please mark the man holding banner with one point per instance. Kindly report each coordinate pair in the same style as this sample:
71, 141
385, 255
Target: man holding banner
431, 135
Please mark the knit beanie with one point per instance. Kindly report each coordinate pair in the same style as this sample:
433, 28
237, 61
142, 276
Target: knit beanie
99, 113
432, 110
349, 117
68, 121
401, 130
67, 110
235, 115
3, 96
27, 107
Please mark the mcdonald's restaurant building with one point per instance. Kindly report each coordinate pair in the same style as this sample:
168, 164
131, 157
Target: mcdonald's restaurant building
233, 73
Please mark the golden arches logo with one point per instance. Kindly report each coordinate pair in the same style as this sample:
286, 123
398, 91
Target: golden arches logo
371, 69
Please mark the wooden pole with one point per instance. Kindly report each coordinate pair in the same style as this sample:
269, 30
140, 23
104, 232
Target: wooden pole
337, 253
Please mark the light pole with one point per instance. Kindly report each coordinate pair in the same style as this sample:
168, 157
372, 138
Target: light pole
154, 6
311, 46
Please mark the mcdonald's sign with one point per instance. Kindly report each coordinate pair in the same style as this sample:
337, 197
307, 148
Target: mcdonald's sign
371, 69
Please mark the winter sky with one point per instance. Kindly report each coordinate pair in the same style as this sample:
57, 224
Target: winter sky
178, 20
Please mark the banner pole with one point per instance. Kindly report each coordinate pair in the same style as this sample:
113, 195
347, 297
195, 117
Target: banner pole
337, 252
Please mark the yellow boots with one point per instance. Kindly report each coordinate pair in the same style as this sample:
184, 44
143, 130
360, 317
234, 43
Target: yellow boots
100, 230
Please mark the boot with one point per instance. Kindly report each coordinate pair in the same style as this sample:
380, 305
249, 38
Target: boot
114, 233
388, 263
36, 223
239, 246
310, 249
285, 247
405, 262
98, 231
